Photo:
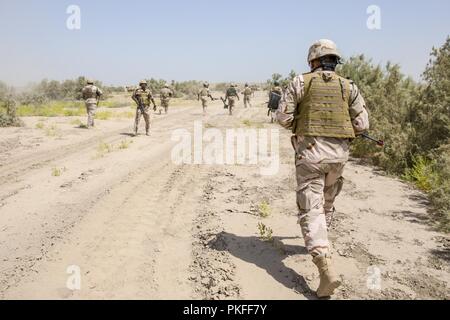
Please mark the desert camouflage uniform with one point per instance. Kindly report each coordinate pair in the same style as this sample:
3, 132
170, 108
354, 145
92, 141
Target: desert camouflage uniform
91, 94
320, 164
147, 97
248, 92
203, 95
166, 95
232, 95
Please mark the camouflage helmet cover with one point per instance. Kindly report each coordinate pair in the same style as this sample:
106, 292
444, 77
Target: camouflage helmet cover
205, 84
166, 85
90, 81
142, 82
322, 48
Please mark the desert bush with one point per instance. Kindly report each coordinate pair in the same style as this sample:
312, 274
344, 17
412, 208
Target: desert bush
8, 111
414, 120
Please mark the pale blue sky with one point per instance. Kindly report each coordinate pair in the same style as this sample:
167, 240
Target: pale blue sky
121, 42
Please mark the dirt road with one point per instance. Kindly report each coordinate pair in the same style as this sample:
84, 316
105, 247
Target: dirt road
138, 226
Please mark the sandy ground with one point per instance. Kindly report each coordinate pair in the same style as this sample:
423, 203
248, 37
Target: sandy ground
139, 226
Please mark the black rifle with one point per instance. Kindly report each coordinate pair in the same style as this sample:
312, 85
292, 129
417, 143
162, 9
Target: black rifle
141, 105
378, 142
225, 105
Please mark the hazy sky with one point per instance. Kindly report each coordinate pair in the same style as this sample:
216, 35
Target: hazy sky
121, 42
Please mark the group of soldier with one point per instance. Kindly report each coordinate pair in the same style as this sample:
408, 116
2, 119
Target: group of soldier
325, 112
143, 98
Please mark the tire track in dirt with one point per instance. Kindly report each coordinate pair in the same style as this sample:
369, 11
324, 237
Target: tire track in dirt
15, 167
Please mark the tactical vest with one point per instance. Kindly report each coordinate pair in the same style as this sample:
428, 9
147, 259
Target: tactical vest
204, 92
324, 109
143, 96
232, 92
166, 94
90, 92
248, 92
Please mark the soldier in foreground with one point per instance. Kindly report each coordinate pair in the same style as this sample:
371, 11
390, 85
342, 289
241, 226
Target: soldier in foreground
166, 95
329, 112
232, 95
203, 95
248, 93
143, 96
91, 95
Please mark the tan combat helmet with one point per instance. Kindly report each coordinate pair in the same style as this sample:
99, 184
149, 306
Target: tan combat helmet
142, 82
166, 86
90, 81
206, 84
322, 48
233, 85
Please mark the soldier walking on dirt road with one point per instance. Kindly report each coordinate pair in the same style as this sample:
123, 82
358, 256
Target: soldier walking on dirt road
166, 95
203, 95
329, 111
248, 93
91, 95
274, 100
143, 96
232, 95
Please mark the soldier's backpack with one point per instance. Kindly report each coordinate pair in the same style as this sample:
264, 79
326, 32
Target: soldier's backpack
274, 101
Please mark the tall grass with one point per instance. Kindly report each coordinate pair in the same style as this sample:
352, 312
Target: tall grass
53, 109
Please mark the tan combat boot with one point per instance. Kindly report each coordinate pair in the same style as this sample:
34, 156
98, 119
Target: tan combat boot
328, 280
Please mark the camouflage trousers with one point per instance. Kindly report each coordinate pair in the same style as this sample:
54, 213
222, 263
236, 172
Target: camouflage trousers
247, 102
204, 104
90, 109
231, 104
146, 113
318, 187
165, 105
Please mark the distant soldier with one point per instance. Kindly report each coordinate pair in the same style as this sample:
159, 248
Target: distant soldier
166, 95
248, 94
203, 95
232, 95
143, 96
274, 100
91, 95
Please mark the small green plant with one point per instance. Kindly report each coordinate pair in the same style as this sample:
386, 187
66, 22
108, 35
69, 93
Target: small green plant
264, 209
40, 125
125, 144
265, 233
247, 123
421, 174
104, 148
57, 172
